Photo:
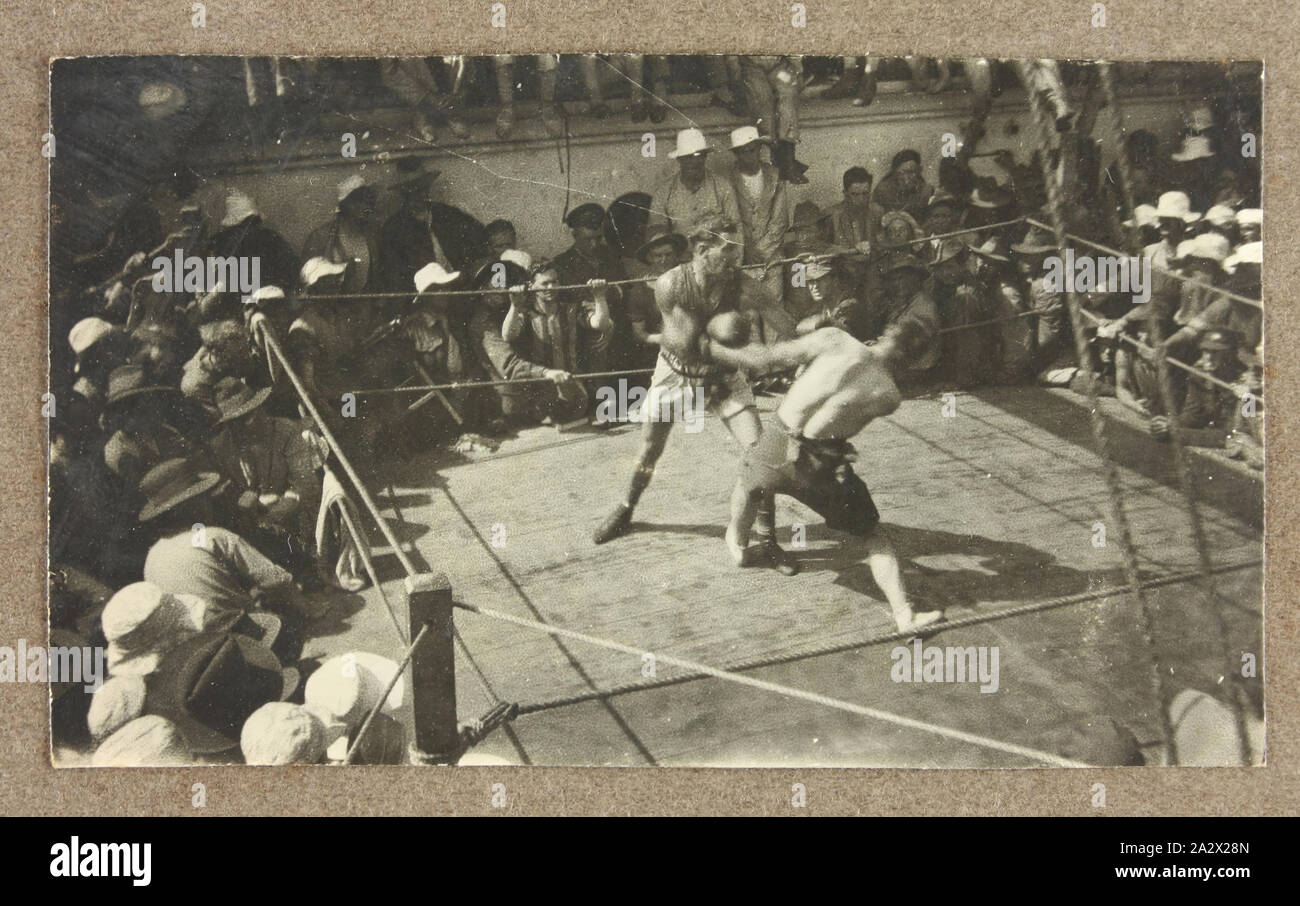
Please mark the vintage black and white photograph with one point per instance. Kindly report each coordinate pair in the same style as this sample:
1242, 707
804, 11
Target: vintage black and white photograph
641, 410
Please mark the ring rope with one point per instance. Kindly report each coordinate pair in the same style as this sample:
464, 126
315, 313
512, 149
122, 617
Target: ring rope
1236, 297
755, 663
779, 689
1186, 480
1114, 486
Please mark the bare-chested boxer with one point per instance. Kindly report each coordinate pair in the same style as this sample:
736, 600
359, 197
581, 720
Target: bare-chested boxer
842, 387
688, 296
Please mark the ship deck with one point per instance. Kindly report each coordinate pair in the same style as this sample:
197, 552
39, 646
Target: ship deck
994, 508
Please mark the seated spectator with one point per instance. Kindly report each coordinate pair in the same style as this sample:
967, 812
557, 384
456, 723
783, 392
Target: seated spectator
323, 333
853, 223
99, 347
943, 215
552, 339
1137, 374
271, 469
1051, 342
969, 353
427, 326
906, 312
225, 353
194, 556
693, 194
837, 306
1250, 222
138, 422
1246, 436
1222, 219
1201, 263
1208, 411
590, 258
997, 279
898, 230
903, 188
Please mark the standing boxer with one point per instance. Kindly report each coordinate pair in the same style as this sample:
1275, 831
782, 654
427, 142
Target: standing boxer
688, 296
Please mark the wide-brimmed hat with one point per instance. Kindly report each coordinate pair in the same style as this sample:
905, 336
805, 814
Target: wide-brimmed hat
992, 198
87, 332
351, 184
744, 136
1250, 217
590, 215
319, 268
993, 249
943, 198
690, 142
434, 274
263, 296
128, 381
519, 258
282, 733
141, 622
1246, 253
660, 236
1037, 241
1205, 247
1195, 147
1220, 215
235, 399
1176, 206
1200, 118
147, 741
949, 249
114, 705
347, 687
1144, 215
239, 207
171, 483
211, 684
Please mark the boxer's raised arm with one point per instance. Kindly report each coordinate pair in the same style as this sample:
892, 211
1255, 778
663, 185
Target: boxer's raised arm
757, 358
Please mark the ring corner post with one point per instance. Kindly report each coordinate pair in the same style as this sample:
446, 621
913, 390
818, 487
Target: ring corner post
433, 670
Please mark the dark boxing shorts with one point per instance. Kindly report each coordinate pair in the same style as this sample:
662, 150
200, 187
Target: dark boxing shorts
817, 473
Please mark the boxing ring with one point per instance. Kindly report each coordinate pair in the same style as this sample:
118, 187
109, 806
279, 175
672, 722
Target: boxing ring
582, 656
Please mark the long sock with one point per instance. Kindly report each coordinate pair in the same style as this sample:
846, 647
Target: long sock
641, 476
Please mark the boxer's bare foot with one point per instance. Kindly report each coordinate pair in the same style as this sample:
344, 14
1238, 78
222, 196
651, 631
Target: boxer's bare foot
917, 621
734, 548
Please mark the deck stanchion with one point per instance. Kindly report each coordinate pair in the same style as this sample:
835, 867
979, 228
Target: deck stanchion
433, 670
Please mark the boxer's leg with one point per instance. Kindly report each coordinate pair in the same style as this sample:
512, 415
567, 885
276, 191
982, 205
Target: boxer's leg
883, 562
654, 438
